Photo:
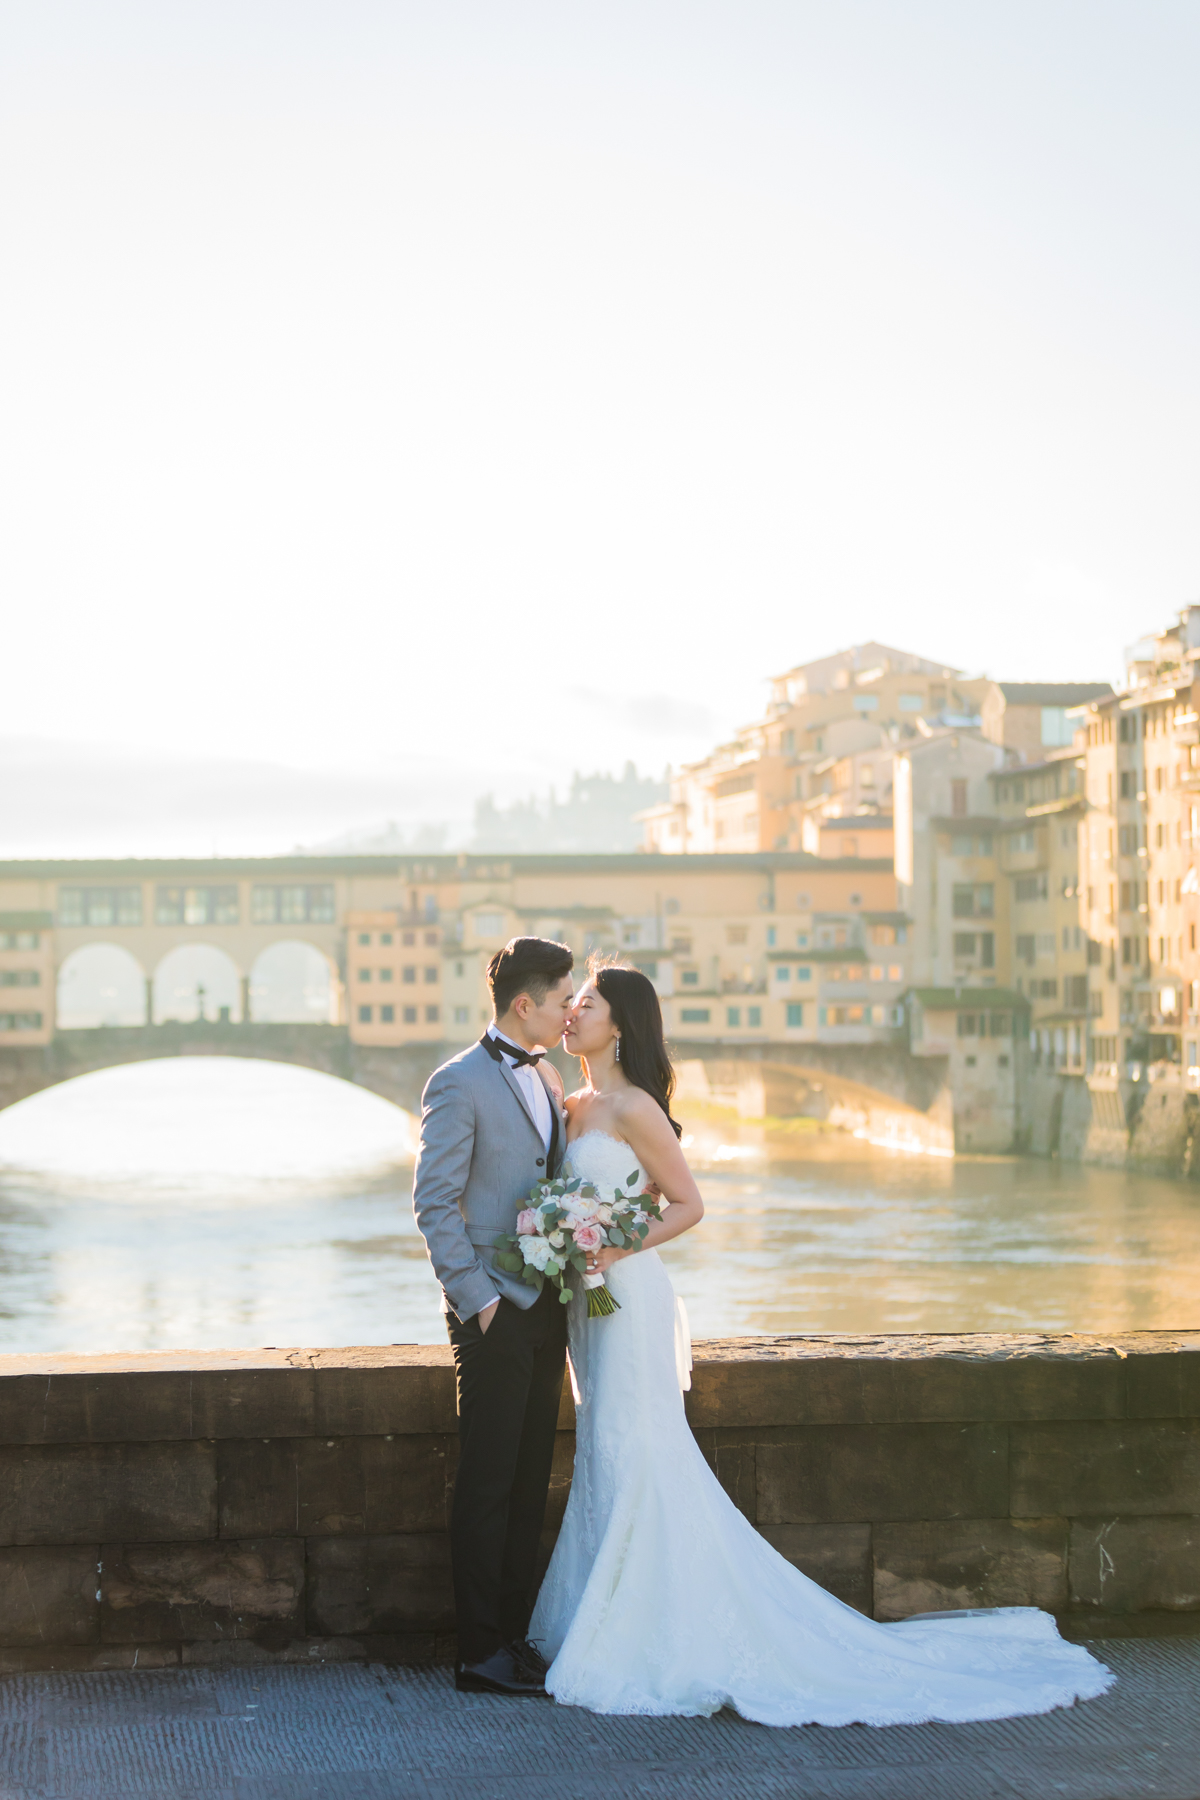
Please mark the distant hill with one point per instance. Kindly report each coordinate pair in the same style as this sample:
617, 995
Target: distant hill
597, 814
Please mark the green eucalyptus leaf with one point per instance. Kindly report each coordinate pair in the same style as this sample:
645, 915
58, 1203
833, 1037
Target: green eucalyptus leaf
630, 1179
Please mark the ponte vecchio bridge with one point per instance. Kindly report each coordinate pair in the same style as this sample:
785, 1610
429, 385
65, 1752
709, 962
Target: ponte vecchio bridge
372, 967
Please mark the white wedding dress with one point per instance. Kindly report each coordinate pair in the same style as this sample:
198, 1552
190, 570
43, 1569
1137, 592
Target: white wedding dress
661, 1598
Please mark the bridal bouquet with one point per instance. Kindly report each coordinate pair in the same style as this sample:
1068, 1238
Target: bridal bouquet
567, 1220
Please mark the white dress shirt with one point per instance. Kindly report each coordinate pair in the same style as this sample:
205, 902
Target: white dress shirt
530, 1084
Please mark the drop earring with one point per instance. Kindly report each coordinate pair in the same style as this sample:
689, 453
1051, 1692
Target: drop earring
617, 1052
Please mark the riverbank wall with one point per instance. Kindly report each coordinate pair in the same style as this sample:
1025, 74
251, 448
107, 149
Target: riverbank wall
292, 1505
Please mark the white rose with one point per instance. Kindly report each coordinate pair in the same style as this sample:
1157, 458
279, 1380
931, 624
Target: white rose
604, 1213
557, 1239
536, 1251
583, 1211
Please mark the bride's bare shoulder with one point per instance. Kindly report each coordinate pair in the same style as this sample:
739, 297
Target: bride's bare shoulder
634, 1106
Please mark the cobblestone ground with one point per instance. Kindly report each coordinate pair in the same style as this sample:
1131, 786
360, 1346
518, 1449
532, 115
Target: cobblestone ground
352, 1732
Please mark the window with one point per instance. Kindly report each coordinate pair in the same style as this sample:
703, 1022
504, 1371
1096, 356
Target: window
431, 1015
410, 1015
968, 1025
754, 1017
292, 905
461, 1015
1023, 841
431, 974
364, 937
985, 846
1128, 840
364, 974
770, 937
489, 924
970, 901
694, 1015
1027, 947
736, 934
364, 1015
987, 947
386, 974
20, 978
782, 972
911, 702
408, 974
385, 937
958, 799
22, 1021
1031, 887
733, 1016
1045, 943
1057, 730
431, 937
1075, 992
964, 943
409, 938
960, 846
690, 978
387, 1015
458, 968
99, 906
20, 940
804, 974
795, 1014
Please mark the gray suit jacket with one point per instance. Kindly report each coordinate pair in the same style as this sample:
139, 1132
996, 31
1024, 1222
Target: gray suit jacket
479, 1156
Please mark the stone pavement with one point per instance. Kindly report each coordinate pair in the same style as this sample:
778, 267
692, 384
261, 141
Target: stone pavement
366, 1732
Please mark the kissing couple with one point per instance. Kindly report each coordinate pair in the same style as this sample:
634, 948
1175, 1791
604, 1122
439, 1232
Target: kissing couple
660, 1597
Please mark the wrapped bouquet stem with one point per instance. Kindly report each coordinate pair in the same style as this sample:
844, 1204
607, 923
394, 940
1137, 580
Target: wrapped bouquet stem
567, 1221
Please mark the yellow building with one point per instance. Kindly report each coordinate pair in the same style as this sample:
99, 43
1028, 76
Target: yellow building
27, 978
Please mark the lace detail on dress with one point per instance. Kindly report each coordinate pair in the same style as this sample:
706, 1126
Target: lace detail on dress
662, 1598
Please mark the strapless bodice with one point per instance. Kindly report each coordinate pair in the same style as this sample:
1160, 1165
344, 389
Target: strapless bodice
608, 1161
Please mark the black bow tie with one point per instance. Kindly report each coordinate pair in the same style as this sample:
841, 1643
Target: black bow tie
498, 1047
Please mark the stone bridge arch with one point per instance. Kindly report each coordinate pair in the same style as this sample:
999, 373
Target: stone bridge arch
913, 1112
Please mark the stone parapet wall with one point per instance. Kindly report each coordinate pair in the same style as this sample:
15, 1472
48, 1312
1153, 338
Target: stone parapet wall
292, 1505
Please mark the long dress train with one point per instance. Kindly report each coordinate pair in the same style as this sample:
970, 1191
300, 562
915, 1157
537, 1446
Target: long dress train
662, 1598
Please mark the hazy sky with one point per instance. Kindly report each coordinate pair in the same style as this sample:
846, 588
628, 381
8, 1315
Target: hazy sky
441, 396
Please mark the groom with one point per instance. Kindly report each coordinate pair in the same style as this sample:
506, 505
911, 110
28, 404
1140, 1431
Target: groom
492, 1124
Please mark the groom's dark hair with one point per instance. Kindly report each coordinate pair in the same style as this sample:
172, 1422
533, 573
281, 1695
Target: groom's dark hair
526, 965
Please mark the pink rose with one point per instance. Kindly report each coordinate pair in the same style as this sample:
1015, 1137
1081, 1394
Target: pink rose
527, 1222
588, 1237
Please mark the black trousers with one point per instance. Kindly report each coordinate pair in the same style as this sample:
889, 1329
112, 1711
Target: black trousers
510, 1381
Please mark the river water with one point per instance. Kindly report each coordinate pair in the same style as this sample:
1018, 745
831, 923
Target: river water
213, 1203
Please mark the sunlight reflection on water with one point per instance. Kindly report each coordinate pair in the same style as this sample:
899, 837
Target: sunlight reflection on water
240, 1204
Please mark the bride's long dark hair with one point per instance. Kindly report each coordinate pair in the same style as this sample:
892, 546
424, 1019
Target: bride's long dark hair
637, 1015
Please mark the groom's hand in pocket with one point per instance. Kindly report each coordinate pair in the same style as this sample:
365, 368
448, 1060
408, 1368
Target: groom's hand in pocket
488, 1313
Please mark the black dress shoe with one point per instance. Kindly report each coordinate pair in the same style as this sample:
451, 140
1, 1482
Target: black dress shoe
531, 1656
500, 1673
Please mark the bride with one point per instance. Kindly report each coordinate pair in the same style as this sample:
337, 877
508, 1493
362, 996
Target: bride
660, 1596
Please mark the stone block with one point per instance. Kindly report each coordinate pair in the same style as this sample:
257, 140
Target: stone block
254, 1403
88, 1657
870, 1388
836, 1557
1088, 1469
863, 1473
379, 1584
926, 1567
102, 1406
1165, 1385
314, 1487
735, 1467
413, 1649
1136, 1565
91, 1493
167, 1593
48, 1595
373, 1402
